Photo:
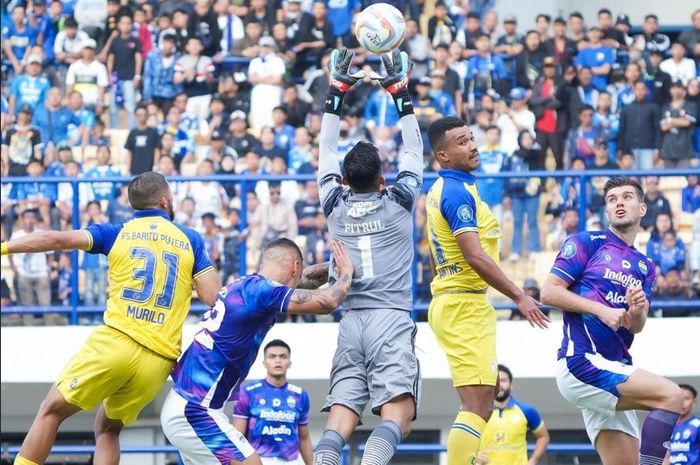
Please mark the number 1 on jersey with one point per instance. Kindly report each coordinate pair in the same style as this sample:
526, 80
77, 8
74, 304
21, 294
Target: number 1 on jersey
364, 243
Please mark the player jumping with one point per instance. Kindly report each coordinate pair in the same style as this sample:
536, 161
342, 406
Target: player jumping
375, 357
603, 285
224, 349
153, 265
463, 236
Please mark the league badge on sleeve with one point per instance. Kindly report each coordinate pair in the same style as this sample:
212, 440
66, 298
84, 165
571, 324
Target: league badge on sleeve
643, 267
569, 250
465, 213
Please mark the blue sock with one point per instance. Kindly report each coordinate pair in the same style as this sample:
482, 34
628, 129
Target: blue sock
382, 444
329, 448
657, 429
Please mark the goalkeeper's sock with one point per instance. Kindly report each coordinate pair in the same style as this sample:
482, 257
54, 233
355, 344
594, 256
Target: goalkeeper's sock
334, 101
329, 449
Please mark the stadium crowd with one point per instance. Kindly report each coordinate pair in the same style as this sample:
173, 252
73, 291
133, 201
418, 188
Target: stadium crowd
105, 88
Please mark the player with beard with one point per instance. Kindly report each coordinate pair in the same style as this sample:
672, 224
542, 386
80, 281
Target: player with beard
153, 266
603, 286
504, 440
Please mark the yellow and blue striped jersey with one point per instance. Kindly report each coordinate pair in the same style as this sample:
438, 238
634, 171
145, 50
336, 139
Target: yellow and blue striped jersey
454, 207
504, 439
152, 266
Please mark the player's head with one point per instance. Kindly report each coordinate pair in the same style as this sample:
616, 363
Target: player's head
150, 190
362, 168
277, 358
282, 261
505, 382
690, 394
453, 144
624, 203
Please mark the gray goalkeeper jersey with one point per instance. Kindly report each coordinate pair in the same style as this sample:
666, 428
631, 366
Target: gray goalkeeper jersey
376, 227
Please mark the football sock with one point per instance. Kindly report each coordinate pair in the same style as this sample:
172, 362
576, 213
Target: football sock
463, 440
657, 429
329, 448
382, 444
19, 460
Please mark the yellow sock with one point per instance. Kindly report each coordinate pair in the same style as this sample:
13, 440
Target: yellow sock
463, 440
22, 461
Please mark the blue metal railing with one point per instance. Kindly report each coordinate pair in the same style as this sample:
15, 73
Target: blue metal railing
407, 449
247, 182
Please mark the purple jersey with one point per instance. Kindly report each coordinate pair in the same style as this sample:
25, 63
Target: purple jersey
685, 443
599, 266
226, 346
274, 415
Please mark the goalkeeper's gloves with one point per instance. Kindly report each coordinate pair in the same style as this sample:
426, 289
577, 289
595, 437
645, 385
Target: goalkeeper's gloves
340, 79
398, 69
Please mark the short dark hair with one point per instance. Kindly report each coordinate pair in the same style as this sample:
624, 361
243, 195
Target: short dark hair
651, 16
624, 181
586, 108
284, 243
604, 11
277, 343
438, 129
362, 166
492, 127
146, 189
576, 14
209, 216
506, 370
690, 389
544, 16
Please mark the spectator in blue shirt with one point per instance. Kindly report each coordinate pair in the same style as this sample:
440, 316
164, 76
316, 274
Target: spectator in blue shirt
381, 111
104, 169
47, 25
582, 138
485, 70
284, 133
608, 122
669, 253
29, 88
493, 158
158, 74
17, 38
690, 195
340, 14
445, 102
39, 195
596, 56
86, 116
54, 120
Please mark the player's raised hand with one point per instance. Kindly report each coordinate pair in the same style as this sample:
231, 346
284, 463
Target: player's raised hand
530, 308
398, 70
339, 67
616, 318
482, 458
637, 300
343, 264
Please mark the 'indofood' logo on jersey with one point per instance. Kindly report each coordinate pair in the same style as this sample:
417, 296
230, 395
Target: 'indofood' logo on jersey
627, 280
277, 431
277, 415
615, 297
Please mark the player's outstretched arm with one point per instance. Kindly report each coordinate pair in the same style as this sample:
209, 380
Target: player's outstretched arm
46, 241
341, 81
314, 276
555, 292
490, 272
398, 68
324, 301
208, 285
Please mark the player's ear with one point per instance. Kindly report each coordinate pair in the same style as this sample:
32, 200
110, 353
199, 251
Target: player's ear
381, 182
344, 181
642, 209
441, 156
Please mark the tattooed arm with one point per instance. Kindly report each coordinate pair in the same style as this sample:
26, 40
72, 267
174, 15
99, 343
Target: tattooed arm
314, 276
324, 301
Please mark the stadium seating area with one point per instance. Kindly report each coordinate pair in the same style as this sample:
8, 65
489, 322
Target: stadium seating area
101, 89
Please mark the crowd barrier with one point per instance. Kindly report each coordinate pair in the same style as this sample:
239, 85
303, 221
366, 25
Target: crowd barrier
10, 451
247, 182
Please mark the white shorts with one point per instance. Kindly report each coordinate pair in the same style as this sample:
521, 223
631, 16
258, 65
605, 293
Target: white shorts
590, 383
276, 461
203, 436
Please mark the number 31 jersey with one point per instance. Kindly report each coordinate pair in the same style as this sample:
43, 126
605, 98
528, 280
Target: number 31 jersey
230, 335
152, 266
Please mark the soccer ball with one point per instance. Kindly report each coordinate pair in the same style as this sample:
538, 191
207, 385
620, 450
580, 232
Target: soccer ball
380, 28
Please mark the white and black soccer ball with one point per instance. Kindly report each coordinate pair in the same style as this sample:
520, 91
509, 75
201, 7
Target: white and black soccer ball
380, 28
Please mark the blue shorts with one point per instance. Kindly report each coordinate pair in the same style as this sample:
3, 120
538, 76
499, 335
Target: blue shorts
203, 436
